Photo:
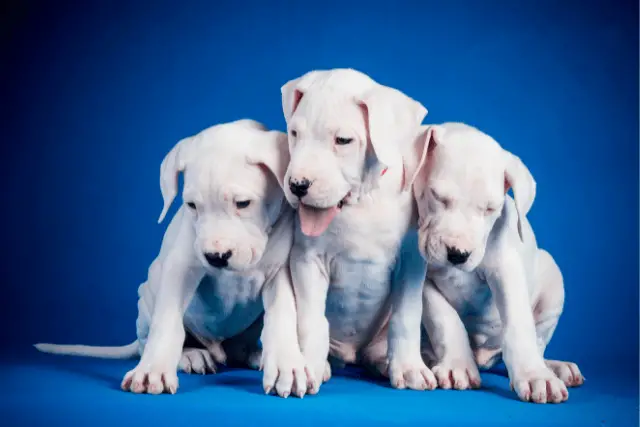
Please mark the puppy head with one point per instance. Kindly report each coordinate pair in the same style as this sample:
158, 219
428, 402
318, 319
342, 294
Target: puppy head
344, 129
232, 190
461, 192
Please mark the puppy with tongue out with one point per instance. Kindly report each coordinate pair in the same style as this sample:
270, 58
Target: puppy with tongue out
314, 221
355, 264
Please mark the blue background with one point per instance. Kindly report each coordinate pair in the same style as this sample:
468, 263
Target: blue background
95, 93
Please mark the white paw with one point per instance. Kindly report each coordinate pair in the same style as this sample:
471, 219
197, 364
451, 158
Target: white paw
327, 372
217, 352
413, 375
457, 374
568, 372
317, 371
197, 360
152, 380
284, 372
539, 386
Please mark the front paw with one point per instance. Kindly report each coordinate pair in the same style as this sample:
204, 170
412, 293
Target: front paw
568, 372
284, 372
150, 379
317, 372
326, 376
197, 360
457, 374
539, 385
412, 374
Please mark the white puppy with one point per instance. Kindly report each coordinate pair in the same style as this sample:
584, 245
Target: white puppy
355, 264
490, 290
223, 260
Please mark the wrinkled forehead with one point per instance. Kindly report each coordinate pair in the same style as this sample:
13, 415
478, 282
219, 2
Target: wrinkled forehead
468, 172
219, 174
323, 111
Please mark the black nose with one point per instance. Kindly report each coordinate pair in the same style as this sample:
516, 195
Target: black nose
218, 260
455, 256
299, 188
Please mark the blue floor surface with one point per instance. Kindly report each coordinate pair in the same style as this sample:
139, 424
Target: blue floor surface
51, 390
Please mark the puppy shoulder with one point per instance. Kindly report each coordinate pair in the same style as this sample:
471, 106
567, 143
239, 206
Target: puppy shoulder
504, 241
170, 240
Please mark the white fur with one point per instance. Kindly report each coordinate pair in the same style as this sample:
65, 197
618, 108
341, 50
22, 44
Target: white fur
222, 165
507, 297
363, 275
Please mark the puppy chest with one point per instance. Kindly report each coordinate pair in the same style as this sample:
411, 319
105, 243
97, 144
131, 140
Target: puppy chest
372, 226
469, 295
222, 308
357, 293
364, 244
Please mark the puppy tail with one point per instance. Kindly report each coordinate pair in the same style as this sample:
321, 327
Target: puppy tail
120, 352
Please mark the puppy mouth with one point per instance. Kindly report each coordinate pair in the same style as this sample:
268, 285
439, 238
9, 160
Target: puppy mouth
314, 221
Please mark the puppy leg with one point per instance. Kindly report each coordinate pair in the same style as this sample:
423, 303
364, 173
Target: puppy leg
547, 312
310, 284
179, 278
406, 367
453, 365
282, 361
530, 377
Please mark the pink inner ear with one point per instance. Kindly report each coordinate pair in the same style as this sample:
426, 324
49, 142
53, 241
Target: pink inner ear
365, 116
433, 141
297, 96
268, 172
507, 185
428, 160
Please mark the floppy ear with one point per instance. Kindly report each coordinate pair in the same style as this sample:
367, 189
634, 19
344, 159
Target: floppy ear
392, 119
519, 179
272, 152
416, 157
293, 91
174, 163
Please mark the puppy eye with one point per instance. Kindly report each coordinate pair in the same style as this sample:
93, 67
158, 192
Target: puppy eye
191, 205
343, 141
294, 133
489, 211
445, 201
243, 204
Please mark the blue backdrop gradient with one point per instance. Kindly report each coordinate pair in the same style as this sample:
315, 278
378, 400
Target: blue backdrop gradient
95, 93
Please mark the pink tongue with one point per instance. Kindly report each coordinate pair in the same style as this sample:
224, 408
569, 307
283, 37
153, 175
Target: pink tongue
314, 221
